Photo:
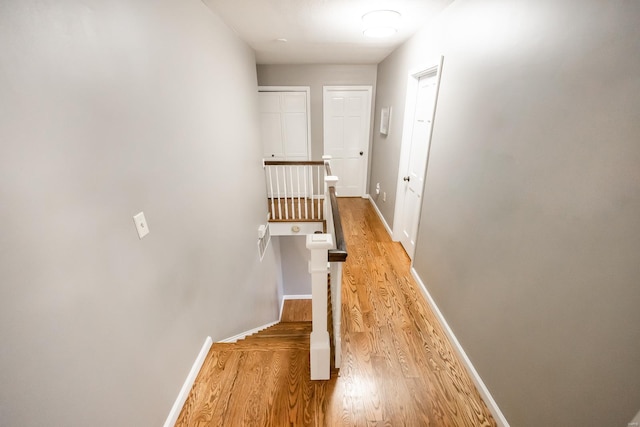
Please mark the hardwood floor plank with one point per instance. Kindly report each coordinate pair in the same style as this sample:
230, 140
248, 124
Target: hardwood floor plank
296, 310
398, 368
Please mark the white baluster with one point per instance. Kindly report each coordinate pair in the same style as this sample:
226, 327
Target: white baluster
284, 184
306, 193
319, 183
293, 199
278, 189
273, 207
313, 211
298, 177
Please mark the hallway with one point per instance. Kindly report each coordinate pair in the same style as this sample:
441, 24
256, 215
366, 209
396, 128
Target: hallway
398, 368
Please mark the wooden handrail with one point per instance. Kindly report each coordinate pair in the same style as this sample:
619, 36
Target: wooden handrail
293, 163
340, 253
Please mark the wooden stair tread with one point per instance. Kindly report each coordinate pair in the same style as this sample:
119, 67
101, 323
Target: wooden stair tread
300, 324
287, 328
276, 335
267, 345
281, 336
296, 310
294, 209
274, 338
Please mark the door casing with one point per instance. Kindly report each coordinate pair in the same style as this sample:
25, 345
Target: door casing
407, 134
365, 156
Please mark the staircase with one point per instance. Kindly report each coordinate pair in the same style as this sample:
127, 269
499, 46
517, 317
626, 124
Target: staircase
282, 336
236, 377
302, 200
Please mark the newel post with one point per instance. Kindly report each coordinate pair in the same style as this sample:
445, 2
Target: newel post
319, 245
329, 181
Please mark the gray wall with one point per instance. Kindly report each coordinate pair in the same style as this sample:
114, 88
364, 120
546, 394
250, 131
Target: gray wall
295, 259
529, 235
391, 90
110, 108
317, 76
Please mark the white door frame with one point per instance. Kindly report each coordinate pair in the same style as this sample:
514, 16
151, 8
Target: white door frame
407, 134
307, 90
369, 89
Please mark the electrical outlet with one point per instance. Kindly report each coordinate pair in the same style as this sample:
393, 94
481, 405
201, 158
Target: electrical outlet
384, 196
141, 224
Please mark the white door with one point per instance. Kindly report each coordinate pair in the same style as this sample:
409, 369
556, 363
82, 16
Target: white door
284, 125
413, 174
347, 120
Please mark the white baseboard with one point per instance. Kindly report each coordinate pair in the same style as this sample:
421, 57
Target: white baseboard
286, 297
188, 384
384, 222
482, 388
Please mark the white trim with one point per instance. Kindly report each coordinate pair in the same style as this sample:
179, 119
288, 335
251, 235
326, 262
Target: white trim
188, 384
339, 88
286, 228
307, 90
384, 221
286, 297
247, 333
482, 388
407, 133
370, 120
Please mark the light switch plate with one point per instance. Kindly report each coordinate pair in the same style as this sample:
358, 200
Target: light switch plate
141, 224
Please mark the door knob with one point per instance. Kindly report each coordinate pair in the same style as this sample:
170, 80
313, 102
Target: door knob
361, 153
406, 178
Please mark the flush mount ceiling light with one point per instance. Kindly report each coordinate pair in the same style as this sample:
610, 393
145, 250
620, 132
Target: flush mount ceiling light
381, 23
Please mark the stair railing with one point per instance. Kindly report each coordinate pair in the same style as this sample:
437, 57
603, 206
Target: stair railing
328, 253
337, 257
306, 191
295, 190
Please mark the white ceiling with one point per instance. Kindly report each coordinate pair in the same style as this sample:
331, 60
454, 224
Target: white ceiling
320, 31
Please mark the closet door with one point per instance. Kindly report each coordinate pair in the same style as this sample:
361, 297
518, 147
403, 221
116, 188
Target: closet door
271, 128
284, 125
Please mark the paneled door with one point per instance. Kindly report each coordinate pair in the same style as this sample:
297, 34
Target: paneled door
422, 94
284, 124
347, 121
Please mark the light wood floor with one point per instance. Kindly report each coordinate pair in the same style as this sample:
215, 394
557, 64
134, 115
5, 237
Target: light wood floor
298, 209
398, 368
